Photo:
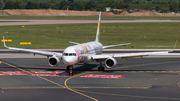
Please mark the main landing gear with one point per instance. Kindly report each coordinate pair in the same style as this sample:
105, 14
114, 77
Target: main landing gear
70, 69
100, 68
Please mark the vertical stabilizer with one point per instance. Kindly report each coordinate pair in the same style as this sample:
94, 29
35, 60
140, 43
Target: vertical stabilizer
98, 28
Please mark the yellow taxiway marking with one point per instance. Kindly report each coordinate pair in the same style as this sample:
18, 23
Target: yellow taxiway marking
135, 96
31, 73
7, 40
65, 83
179, 84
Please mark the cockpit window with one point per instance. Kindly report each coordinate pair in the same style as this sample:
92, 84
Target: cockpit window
74, 54
69, 54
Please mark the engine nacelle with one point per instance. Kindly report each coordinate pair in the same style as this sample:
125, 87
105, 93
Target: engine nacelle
53, 61
110, 62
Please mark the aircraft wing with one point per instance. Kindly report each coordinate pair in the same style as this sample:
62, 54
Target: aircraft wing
129, 55
116, 45
46, 53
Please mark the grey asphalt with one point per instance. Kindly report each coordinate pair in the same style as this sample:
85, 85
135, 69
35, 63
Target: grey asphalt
13, 22
159, 76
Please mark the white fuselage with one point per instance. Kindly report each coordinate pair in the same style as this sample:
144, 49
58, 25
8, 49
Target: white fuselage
81, 52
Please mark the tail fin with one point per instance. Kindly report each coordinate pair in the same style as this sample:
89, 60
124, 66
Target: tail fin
98, 28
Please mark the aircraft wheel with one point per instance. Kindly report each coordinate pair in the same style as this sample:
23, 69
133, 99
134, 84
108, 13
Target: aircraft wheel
100, 68
67, 69
70, 73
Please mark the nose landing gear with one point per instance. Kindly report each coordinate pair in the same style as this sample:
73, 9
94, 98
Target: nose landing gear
70, 69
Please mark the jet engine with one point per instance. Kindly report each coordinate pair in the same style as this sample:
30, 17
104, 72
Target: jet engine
110, 62
53, 61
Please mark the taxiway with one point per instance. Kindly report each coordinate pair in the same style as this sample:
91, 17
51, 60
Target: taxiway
142, 79
13, 22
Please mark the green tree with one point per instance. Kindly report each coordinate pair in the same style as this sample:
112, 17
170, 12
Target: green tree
163, 11
76, 6
1, 4
16, 5
44, 5
32, 5
174, 6
157, 8
62, 5
8, 5
90, 5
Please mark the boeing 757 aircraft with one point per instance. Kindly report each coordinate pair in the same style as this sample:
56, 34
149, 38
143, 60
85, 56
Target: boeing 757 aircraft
85, 52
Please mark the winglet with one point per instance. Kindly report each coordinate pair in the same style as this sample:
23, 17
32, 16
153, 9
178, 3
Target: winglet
175, 44
4, 42
98, 28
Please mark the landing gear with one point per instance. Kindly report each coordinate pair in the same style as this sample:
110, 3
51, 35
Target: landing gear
101, 68
70, 69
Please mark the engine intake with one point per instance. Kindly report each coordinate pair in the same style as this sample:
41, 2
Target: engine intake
110, 62
53, 61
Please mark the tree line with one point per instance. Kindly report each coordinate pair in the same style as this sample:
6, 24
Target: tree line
97, 5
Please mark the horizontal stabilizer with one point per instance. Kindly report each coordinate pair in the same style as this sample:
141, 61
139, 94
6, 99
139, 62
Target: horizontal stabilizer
116, 45
74, 43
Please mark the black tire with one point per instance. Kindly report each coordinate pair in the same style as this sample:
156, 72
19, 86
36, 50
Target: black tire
70, 73
67, 69
100, 68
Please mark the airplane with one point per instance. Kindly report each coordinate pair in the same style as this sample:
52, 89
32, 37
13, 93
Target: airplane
85, 52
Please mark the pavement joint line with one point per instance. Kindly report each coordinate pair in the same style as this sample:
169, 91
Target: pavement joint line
134, 96
65, 83
31, 73
75, 87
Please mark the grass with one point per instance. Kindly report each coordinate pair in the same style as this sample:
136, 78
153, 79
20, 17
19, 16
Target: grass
83, 17
141, 35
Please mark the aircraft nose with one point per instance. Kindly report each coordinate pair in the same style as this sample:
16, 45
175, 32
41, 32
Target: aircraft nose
69, 60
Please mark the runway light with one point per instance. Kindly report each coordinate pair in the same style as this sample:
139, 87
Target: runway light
25, 43
22, 26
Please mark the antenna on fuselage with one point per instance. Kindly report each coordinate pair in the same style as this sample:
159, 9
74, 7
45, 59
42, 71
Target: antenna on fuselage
98, 27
